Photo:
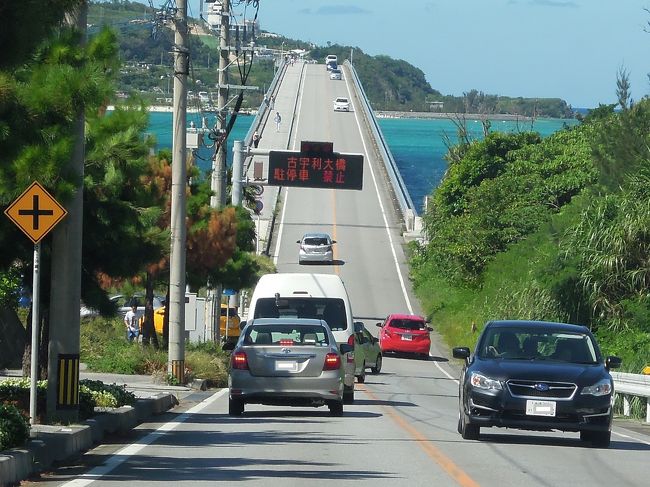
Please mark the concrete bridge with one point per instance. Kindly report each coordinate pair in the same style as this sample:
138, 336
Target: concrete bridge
371, 226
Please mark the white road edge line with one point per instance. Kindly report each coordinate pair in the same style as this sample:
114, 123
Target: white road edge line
390, 238
276, 252
125, 453
639, 440
381, 206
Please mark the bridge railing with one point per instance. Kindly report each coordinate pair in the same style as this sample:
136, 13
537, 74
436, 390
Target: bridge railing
628, 385
409, 213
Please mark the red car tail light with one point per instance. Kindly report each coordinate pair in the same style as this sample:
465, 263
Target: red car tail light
239, 361
351, 340
332, 361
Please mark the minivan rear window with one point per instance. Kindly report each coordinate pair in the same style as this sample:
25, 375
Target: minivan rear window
331, 310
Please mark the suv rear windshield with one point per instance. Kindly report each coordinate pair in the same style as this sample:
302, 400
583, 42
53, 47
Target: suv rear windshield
286, 335
331, 310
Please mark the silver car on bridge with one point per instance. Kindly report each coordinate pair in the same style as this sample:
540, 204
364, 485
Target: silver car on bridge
287, 362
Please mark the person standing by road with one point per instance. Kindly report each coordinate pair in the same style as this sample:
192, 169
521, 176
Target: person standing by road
131, 322
256, 139
278, 120
272, 102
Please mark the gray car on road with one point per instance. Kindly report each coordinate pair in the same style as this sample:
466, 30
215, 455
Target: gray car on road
287, 362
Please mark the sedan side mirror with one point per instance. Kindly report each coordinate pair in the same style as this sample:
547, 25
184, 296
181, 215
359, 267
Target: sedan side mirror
429, 328
333, 241
613, 362
378, 324
242, 324
297, 241
461, 352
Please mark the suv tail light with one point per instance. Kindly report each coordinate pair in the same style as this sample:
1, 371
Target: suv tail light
351, 340
332, 361
239, 361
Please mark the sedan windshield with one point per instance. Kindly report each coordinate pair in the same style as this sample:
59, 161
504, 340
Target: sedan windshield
536, 344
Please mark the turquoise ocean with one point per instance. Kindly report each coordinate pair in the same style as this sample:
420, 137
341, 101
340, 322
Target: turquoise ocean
418, 145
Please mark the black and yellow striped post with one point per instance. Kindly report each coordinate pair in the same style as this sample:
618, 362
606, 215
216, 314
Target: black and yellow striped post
67, 396
178, 370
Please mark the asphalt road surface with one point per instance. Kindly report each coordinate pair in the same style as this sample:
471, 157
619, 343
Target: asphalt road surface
401, 430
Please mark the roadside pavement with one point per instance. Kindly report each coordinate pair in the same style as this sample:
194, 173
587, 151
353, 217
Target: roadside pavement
50, 444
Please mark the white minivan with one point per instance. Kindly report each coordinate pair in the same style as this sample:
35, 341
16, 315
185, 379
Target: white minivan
301, 295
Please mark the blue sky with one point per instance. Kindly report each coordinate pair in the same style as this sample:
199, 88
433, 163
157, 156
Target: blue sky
570, 49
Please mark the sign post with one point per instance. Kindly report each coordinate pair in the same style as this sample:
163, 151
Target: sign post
35, 212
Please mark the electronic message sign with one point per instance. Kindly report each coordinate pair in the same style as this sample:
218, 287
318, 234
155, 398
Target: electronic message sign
316, 166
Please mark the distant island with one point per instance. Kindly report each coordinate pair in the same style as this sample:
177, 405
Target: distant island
392, 85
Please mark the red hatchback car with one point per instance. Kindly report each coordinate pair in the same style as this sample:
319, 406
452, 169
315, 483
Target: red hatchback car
405, 333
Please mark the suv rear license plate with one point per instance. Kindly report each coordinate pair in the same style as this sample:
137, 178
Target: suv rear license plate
290, 366
407, 337
540, 408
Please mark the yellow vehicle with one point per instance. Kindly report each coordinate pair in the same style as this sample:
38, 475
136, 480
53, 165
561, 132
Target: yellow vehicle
226, 312
230, 314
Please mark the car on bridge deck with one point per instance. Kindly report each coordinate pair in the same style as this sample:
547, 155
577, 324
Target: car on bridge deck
539, 376
335, 74
341, 104
316, 247
404, 333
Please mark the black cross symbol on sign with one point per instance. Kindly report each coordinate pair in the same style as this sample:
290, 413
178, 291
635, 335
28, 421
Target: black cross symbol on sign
36, 212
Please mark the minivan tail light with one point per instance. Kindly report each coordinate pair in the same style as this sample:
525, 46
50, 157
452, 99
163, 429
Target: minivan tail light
332, 361
239, 361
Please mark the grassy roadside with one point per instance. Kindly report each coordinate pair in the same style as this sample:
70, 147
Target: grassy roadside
104, 348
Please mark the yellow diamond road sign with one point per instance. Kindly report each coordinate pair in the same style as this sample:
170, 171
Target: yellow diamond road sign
35, 212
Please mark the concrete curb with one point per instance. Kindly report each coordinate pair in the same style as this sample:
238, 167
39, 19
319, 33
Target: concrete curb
50, 444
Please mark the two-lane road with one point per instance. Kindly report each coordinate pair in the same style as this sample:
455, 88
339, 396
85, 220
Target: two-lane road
401, 430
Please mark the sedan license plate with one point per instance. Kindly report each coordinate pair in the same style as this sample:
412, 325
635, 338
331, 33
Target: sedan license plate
286, 365
407, 337
540, 408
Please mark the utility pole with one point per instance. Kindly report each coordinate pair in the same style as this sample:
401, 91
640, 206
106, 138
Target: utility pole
218, 178
176, 306
65, 297
218, 182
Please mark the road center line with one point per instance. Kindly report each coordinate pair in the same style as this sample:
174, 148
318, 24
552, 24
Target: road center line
433, 452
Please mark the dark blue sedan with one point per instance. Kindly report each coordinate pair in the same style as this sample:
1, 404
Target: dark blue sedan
536, 375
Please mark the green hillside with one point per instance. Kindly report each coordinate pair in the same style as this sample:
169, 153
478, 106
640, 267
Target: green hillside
390, 84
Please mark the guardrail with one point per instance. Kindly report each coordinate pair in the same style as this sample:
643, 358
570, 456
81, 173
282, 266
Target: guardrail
632, 385
406, 206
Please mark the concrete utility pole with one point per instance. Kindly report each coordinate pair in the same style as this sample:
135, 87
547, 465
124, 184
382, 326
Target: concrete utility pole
65, 296
218, 182
176, 305
218, 179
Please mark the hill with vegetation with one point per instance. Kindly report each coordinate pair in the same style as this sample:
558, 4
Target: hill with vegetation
549, 229
390, 84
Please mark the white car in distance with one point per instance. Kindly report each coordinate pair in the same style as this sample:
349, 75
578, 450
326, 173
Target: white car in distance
341, 104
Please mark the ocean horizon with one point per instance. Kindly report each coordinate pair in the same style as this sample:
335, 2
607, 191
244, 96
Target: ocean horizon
418, 145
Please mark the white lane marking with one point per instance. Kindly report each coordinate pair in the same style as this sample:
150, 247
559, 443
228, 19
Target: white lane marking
276, 252
381, 206
125, 453
390, 238
639, 440
449, 376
